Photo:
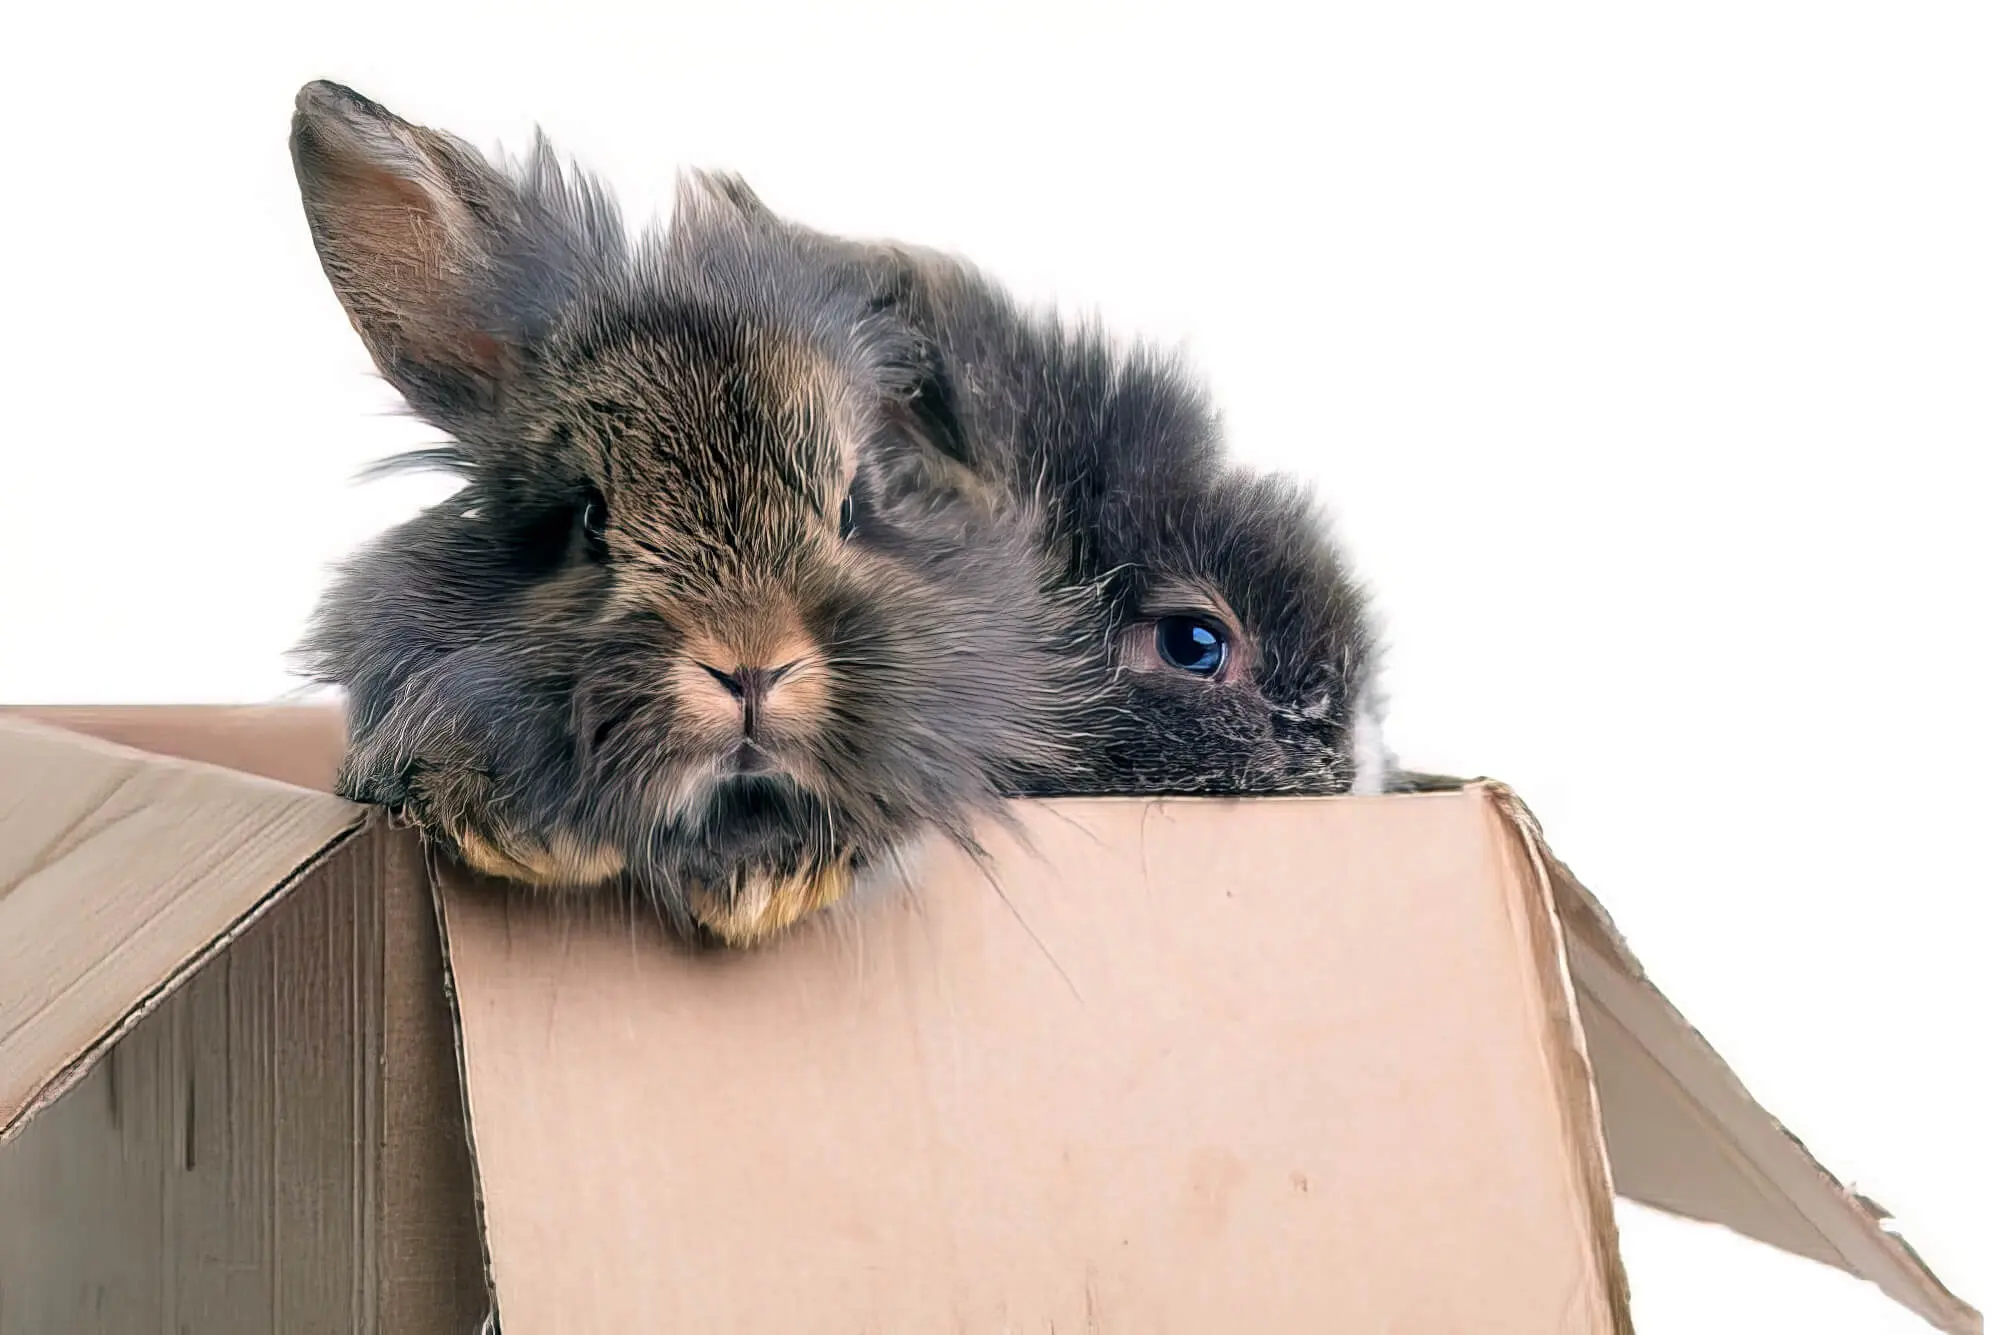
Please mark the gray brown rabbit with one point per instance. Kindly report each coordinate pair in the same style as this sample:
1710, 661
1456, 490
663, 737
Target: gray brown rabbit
778, 550
677, 630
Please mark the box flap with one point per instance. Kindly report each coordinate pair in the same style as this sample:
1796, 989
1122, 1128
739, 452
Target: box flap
1686, 1137
1683, 1135
120, 873
298, 744
1180, 1066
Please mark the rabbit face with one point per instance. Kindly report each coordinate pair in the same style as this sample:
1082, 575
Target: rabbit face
677, 629
1241, 653
1234, 651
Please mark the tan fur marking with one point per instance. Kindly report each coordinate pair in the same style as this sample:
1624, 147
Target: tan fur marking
766, 903
798, 703
769, 636
564, 865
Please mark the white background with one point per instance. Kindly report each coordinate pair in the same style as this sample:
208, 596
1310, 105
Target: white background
1647, 353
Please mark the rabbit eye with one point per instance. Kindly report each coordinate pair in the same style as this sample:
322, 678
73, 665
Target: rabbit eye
847, 516
1192, 644
593, 517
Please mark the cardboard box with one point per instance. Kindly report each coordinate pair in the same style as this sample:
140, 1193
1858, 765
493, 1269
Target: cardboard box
1366, 1064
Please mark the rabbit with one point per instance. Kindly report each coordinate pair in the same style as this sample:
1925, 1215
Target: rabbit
682, 631
1241, 654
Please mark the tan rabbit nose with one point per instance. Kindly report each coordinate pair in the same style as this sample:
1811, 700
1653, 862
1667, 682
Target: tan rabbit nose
750, 676
751, 688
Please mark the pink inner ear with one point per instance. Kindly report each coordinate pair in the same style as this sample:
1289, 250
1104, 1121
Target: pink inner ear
399, 245
485, 356
485, 350
389, 223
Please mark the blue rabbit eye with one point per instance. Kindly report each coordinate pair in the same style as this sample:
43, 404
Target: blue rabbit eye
847, 516
1192, 644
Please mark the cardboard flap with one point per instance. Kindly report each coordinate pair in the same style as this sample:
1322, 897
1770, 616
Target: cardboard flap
1686, 1137
1176, 1066
120, 872
298, 744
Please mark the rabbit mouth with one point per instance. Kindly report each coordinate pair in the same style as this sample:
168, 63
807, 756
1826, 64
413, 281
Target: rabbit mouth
757, 855
764, 819
750, 760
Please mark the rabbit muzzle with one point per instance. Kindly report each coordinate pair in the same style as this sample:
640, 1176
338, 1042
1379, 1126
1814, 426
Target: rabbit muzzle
755, 858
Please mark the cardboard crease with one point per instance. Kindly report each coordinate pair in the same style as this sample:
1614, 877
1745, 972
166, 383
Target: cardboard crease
1575, 1087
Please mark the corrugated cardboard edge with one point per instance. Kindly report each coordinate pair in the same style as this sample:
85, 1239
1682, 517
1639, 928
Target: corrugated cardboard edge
1850, 1224
1575, 1084
454, 1008
79, 1066
295, 744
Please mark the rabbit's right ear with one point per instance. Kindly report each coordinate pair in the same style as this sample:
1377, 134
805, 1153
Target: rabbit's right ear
448, 269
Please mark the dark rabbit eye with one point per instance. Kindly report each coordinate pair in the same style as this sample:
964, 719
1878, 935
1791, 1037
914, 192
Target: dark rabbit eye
593, 517
847, 516
1192, 644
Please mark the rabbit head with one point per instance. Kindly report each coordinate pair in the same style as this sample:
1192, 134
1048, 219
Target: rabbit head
676, 631
1242, 655
1236, 651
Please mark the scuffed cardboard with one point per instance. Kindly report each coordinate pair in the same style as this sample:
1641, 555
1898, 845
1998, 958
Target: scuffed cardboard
1189, 1065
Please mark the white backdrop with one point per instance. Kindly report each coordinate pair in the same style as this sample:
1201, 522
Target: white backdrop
1648, 355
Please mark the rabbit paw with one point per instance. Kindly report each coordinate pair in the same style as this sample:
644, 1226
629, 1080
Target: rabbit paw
452, 801
760, 902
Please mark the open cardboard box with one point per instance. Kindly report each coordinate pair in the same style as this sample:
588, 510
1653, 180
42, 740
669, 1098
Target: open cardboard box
1365, 1064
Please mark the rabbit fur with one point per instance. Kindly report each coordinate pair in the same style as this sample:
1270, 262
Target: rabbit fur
778, 551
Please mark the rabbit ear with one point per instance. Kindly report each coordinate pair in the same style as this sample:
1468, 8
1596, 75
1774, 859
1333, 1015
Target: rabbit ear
726, 190
447, 268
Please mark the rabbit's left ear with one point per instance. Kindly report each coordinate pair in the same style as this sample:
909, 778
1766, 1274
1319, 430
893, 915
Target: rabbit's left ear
447, 268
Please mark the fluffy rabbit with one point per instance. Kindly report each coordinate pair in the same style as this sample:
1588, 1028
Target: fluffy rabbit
1238, 650
680, 630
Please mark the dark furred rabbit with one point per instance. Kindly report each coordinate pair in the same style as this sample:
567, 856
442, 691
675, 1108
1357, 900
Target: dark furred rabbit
1238, 651
683, 628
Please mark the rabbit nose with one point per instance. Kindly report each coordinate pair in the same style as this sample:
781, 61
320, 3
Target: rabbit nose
750, 687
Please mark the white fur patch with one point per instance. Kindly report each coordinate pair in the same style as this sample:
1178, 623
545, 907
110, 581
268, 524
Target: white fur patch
1371, 759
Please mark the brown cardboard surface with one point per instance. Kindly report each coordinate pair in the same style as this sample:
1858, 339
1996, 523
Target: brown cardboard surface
911, 988
277, 1146
119, 873
1169, 1082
